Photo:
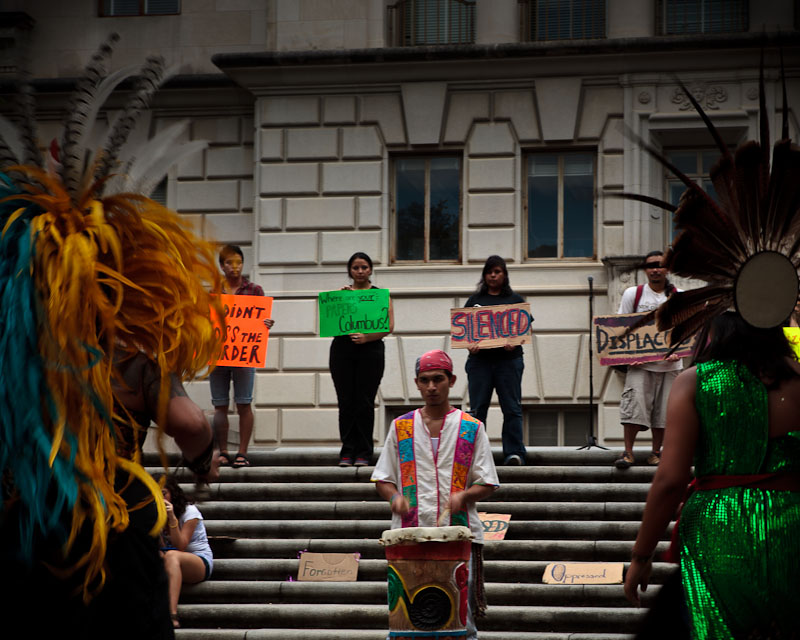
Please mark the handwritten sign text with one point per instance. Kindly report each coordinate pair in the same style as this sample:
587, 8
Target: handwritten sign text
353, 311
245, 338
490, 327
645, 344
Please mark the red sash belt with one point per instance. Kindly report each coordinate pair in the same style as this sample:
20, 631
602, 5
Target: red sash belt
780, 481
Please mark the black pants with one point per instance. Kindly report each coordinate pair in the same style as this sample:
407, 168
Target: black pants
356, 370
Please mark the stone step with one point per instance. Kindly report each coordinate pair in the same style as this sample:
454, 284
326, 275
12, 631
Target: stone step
507, 475
247, 591
329, 457
361, 616
277, 570
349, 491
367, 634
521, 530
373, 510
562, 550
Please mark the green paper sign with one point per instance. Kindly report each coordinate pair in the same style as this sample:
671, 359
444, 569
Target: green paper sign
361, 311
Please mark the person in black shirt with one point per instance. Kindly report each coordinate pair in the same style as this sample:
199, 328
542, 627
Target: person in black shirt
498, 368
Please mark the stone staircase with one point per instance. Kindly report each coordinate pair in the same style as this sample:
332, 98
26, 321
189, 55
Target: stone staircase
566, 505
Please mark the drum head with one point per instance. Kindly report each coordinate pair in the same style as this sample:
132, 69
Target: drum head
766, 289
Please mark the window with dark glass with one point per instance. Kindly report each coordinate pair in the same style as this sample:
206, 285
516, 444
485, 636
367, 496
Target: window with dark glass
558, 427
683, 17
560, 203
427, 209
562, 19
695, 164
139, 7
421, 22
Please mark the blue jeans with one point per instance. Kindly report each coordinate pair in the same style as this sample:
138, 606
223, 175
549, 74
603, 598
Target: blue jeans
505, 376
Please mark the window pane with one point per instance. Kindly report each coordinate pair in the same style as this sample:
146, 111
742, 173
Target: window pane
576, 427
543, 428
709, 189
121, 7
161, 7
439, 22
685, 161
543, 206
709, 159
444, 227
410, 239
578, 206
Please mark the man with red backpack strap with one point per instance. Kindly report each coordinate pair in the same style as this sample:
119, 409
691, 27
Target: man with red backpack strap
644, 399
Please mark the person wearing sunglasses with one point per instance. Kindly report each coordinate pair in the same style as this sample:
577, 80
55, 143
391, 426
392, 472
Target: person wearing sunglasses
643, 404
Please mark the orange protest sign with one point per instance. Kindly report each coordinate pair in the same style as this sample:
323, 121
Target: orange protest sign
246, 335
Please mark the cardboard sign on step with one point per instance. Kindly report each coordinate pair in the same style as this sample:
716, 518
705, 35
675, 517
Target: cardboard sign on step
328, 567
583, 573
495, 525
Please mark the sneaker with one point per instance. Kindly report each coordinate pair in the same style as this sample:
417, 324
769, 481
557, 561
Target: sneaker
654, 458
361, 462
513, 460
624, 461
345, 462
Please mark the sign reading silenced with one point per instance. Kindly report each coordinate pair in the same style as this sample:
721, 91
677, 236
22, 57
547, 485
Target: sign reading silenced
645, 344
245, 340
353, 311
494, 326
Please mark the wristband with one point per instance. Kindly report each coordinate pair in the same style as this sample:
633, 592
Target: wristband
173, 526
396, 495
201, 465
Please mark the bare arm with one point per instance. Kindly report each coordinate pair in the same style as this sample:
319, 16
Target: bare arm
388, 491
670, 481
463, 499
361, 338
179, 535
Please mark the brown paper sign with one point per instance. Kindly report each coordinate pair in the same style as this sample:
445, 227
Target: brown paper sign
583, 573
328, 567
646, 344
495, 525
490, 327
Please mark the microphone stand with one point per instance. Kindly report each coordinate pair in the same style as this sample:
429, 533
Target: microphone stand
591, 440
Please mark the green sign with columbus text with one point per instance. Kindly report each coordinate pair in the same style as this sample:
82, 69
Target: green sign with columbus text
353, 311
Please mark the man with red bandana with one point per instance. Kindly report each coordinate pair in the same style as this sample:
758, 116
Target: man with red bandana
436, 464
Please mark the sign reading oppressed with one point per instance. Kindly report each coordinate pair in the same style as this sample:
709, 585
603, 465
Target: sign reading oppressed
353, 311
495, 525
645, 344
494, 326
583, 573
328, 567
245, 340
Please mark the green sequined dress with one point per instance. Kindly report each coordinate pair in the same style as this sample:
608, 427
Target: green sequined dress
740, 547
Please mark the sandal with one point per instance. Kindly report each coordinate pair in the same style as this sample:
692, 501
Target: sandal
240, 461
224, 459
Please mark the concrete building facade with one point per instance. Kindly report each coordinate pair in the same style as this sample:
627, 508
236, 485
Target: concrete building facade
321, 113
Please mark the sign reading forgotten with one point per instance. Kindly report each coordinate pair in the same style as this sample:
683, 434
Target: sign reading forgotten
646, 344
489, 327
353, 311
245, 340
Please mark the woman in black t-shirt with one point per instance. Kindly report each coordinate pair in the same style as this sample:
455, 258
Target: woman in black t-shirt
498, 368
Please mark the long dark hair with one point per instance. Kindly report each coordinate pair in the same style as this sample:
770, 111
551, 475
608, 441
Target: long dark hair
356, 256
179, 500
763, 351
491, 263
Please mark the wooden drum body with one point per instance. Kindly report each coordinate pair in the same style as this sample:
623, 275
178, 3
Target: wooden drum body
428, 581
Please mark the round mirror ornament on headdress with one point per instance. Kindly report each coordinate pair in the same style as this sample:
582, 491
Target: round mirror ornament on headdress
765, 290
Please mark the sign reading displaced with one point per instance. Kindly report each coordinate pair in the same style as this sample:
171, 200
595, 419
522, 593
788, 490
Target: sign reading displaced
645, 344
495, 525
359, 311
245, 340
328, 567
583, 573
490, 327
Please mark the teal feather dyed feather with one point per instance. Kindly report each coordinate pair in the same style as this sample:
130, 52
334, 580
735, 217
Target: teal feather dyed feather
26, 406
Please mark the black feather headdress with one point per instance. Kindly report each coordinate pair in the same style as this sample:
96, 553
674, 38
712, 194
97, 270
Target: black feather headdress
746, 244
